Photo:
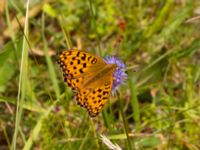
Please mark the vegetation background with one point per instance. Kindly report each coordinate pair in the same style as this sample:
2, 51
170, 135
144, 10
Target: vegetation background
158, 107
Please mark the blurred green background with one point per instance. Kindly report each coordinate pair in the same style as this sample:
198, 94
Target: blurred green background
158, 107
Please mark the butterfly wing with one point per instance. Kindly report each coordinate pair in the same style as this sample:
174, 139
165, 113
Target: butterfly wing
95, 95
76, 64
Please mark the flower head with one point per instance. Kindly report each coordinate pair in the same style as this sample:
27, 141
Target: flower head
119, 75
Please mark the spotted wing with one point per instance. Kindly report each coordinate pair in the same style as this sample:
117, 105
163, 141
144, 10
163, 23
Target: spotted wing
95, 97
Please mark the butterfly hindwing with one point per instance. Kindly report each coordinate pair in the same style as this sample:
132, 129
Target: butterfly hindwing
95, 95
97, 98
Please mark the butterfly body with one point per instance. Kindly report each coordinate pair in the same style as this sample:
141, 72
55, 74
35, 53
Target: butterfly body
89, 76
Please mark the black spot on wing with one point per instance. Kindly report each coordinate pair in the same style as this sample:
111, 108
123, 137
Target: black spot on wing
89, 58
78, 53
83, 57
94, 60
104, 98
105, 92
99, 90
84, 65
81, 71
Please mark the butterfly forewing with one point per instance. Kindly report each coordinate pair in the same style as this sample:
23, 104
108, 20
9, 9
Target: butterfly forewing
76, 64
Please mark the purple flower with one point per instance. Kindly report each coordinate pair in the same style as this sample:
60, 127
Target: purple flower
119, 75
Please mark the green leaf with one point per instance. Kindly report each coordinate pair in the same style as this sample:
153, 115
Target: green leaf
150, 141
7, 66
49, 10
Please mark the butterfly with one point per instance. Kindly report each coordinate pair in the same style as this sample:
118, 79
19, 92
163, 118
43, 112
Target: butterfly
89, 76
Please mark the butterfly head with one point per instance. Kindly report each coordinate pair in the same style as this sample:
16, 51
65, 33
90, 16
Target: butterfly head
119, 75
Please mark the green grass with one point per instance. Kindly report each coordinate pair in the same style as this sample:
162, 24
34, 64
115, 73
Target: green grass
157, 107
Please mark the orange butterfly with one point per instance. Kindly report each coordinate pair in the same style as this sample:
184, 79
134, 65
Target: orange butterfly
89, 76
